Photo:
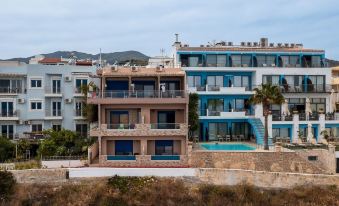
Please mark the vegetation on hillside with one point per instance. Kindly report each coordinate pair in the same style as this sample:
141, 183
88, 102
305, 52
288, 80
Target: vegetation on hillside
121, 191
63, 143
7, 149
7, 183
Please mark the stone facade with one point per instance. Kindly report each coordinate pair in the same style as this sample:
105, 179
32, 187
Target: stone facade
263, 178
267, 161
144, 161
139, 130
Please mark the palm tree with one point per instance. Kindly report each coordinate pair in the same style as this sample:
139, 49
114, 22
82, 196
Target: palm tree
267, 95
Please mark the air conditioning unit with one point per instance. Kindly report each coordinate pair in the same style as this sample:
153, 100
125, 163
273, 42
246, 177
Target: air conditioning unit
134, 69
21, 101
249, 44
68, 78
185, 45
27, 122
201, 45
280, 44
255, 44
160, 68
230, 43
292, 45
68, 101
242, 43
271, 44
286, 44
20, 122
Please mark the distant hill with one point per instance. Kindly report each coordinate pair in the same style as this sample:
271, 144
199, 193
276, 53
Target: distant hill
121, 57
332, 63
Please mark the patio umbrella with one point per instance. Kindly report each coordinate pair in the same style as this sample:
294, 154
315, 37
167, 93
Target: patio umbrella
308, 109
309, 133
285, 109
333, 100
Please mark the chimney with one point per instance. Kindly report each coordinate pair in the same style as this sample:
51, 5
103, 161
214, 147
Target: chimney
264, 42
177, 44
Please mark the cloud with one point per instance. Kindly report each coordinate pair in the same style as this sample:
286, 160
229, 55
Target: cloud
41, 26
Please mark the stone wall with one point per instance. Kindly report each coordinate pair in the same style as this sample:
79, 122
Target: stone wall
262, 161
144, 161
263, 178
39, 175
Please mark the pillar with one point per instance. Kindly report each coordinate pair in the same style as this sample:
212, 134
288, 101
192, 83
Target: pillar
295, 128
269, 125
321, 126
143, 145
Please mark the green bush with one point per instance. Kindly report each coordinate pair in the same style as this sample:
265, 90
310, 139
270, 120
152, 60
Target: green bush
7, 183
7, 149
126, 184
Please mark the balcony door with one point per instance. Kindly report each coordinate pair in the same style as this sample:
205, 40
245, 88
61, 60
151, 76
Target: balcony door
56, 85
166, 119
56, 109
7, 109
118, 119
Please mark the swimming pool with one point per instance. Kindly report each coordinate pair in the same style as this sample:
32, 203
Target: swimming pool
232, 147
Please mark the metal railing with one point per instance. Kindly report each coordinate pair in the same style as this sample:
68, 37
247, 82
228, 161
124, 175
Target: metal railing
165, 126
120, 126
11, 113
303, 117
138, 94
34, 135
79, 112
8, 90
53, 113
276, 117
305, 88
52, 90
207, 112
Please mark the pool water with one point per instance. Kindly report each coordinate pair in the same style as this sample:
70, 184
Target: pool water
232, 147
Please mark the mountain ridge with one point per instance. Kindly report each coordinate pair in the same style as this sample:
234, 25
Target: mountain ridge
111, 57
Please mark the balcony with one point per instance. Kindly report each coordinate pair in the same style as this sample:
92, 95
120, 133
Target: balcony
236, 113
143, 130
9, 115
79, 114
33, 135
210, 89
54, 115
11, 91
53, 92
305, 88
282, 117
138, 97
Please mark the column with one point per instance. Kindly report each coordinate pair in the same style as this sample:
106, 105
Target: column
321, 127
269, 125
143, 145
295, 136
99, 148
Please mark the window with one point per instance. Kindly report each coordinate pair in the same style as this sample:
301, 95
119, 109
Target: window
215, 81
271, 79
280, 132
318, 104
163, 147
265, 61
236, 60
194, 81
211, 60
216, 129
290, 61
7, 109
36, 105
193, 61
36, 83
241, 81
221, 60
79, 83
56, 127
79, 109
7, 131
296, 104
56, 86
81, 129
316, 61
36, 128
239, 104
56, 109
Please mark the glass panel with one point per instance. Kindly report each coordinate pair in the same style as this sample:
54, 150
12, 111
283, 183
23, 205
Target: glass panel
245, 82
197, 81
316, 61
190, 81
275, 80
211, 80
236, 60
211, 60
237, 81
212, 129
246, 60
285, 61
284, 132
270, 60
261, 60
294, 60
193, 61
221, 60
219, 81
239, 104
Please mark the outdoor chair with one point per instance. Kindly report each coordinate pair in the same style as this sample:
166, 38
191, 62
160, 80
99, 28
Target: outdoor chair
242, 137
286, 139
228, 138
237, 138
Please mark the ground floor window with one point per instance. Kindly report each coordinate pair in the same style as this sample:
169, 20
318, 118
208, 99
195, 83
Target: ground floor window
240, 128
36, 128
164, 147
81, 129
280, 132
56, 127
318, 104
124, 147
217, 130
7, 131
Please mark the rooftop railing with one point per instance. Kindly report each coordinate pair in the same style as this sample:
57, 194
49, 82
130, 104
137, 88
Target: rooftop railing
138, 94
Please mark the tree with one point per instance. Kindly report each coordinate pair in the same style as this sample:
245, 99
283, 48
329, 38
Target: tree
267, 95
7, 149
193, 117
90, 110
63, 143
23, 145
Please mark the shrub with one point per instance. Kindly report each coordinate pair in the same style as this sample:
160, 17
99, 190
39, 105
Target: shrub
126, 184
7, 183
7, 149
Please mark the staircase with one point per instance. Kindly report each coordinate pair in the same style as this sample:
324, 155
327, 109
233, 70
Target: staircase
259, 131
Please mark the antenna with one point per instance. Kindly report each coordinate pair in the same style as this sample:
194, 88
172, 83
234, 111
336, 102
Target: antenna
162, 51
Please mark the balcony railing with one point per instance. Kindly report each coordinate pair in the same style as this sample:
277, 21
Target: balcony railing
34, 135
207, 112
8, 90
305, 88
53, 113
13, 113
165, 126
282, 117
79, 112
53, 90
314, 116
138, 94
120, 126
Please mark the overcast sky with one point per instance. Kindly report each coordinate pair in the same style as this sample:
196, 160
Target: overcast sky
29, 27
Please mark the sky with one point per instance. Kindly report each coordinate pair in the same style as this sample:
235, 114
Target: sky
29, 27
